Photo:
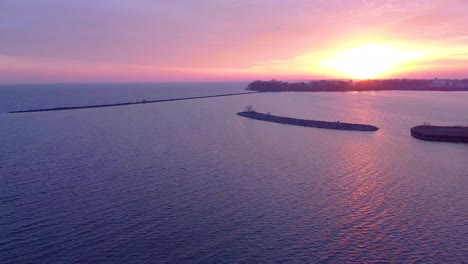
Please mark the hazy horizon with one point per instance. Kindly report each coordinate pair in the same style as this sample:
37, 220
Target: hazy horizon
207, 81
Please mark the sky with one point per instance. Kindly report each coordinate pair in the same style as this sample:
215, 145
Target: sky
220, 40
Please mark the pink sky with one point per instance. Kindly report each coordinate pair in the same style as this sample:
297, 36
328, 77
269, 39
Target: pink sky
205, 40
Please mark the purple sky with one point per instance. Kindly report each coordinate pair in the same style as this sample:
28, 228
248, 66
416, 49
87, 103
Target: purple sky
132, 40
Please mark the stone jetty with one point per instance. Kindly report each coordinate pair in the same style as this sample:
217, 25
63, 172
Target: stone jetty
307, 123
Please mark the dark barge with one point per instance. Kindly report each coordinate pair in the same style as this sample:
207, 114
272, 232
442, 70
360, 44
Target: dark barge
441, 133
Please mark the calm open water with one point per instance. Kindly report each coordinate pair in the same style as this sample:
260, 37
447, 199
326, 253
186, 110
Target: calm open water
191, 181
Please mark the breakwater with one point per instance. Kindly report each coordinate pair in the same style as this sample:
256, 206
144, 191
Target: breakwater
307, 123
127, 103
441, 133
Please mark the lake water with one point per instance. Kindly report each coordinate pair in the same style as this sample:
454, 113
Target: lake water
190, 181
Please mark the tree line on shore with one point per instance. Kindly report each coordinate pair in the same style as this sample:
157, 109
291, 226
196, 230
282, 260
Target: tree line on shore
358, 85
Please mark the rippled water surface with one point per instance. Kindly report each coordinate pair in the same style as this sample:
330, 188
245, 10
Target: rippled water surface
191, 181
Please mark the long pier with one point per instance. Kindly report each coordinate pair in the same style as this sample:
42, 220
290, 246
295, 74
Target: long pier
127, 103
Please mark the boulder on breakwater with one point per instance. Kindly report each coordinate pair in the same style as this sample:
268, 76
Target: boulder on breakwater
307, 123
441, 133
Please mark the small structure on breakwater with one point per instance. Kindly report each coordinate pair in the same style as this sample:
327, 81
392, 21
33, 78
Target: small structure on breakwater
441, 133
307, 123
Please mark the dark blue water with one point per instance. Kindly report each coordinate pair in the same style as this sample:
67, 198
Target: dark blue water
191, 181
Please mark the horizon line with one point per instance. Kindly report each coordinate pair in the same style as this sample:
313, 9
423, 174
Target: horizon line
221, 81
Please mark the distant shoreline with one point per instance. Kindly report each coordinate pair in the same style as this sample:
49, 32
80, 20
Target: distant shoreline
361, 85
307, 123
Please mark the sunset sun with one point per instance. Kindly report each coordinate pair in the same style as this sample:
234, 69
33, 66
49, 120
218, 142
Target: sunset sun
369, 60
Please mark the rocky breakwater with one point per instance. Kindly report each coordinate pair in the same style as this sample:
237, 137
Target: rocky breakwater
441, 133
307, 123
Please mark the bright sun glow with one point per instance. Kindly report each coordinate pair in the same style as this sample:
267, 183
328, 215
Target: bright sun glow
370, 60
